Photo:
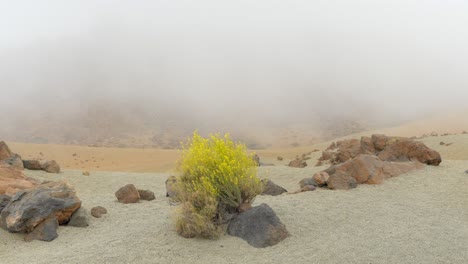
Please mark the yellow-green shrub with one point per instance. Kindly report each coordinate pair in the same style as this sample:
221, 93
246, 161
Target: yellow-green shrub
216, 177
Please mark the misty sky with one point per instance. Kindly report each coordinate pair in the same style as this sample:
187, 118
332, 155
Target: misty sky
265, 57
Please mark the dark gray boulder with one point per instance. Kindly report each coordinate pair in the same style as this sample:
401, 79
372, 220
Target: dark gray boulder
4, 200
80, 218
45, 231
308, 181
27, 209
259, 226
270, 188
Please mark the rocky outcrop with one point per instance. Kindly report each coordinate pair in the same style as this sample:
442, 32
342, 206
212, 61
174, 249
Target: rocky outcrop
410, 150
259, 226
366, 169
13, 180
270, 188
386, 148
39, 208
128, 194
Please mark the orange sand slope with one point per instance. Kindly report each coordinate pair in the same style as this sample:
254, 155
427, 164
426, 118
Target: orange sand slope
163, 160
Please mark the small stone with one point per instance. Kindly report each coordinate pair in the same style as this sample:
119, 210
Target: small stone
98, 211
279, 158
307, 181
86, 173
146, 195
128, 194
51, 166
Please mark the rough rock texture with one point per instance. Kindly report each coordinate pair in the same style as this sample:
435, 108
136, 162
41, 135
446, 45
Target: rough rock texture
80, 218
297, 163
410, 150
321, 178
341, 181
98, 211
171, 190
13, 180
270, 188
128, 194
259, 226
307, 181
51, 166
4, 200
5, 152
305, 188
15, 161
366, 169
32, 164
146, 195
386, 148
45, 231
30, 208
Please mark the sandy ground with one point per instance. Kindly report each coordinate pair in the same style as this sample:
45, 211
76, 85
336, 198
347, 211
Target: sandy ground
163, 160
421, 217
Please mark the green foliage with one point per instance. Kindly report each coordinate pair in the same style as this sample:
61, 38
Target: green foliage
216, 177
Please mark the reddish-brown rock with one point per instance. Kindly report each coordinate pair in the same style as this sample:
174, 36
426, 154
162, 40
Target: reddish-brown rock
13, 180
297, 163
321, 178
128, 194
410, 150
5, 152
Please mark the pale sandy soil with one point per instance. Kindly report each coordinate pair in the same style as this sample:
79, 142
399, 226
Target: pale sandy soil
421, 217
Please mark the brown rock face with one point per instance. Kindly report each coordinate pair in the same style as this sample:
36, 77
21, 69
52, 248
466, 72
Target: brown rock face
297, 163
12, 181
367, 169
341, 181
146, 195
51, 166
409, 150
30, 208
128, 194
32, 164
386, 148
5, 152
321, 178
